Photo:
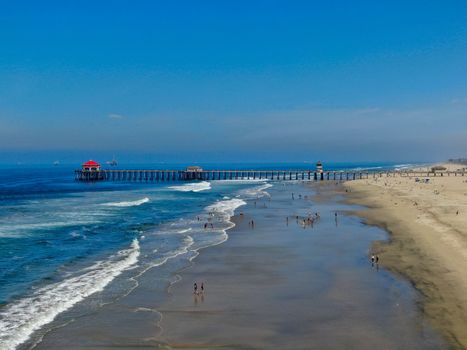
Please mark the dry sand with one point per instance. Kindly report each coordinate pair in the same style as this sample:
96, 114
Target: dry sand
428, 227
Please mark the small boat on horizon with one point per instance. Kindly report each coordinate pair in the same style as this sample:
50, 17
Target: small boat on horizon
112, 162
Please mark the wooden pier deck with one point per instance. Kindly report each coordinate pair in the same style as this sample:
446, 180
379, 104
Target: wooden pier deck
135, 175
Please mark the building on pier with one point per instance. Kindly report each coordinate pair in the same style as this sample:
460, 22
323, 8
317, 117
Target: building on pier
91, 165
194, 169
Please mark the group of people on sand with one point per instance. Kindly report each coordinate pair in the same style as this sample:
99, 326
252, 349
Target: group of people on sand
310, 219
299, 196
374, 260
195, 288
305, 221
208, 224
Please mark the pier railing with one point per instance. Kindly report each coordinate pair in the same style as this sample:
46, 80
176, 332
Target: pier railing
135, 175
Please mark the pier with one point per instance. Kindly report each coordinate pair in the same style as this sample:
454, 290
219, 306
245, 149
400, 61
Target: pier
141, 175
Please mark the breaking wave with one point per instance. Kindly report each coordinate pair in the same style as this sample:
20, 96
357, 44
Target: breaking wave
193, 187
225, 209
20, 319
129, 203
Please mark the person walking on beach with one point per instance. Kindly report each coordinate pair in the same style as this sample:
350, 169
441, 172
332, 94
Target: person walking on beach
195, 288
376, 259
202, 287
372, 259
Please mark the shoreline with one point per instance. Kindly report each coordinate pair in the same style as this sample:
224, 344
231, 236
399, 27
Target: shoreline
274, 285
427, 241
280, 284
135, 300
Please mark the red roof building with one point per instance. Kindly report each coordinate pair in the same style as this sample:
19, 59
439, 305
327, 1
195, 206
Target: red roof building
91, 165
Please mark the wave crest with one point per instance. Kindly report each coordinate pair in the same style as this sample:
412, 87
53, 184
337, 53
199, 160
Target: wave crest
226, 208
20, 319
193, 187
128, 203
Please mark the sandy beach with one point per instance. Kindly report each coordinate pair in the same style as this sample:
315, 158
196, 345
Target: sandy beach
280, 284
294, 287
427, 223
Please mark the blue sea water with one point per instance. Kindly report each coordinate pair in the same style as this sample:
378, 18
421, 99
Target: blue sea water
62, 241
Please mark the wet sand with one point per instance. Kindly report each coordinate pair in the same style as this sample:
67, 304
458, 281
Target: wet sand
428, 227
286, 286
274, 286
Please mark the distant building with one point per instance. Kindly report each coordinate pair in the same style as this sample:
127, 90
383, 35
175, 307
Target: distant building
194, 169
438, 168
91, 165
319, 167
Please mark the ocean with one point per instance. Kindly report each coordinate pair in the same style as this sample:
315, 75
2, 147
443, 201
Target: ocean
67, 245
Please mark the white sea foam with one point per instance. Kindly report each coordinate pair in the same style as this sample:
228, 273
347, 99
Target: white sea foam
193, 187
257, 192
242, 181
185, 230
366, 168
403, 166
129, 203
226, 208
20, 319
184, 249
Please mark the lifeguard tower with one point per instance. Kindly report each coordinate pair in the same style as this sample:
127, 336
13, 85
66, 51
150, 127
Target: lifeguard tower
319, 167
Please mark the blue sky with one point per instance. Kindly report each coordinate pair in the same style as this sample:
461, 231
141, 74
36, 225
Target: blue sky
233, 80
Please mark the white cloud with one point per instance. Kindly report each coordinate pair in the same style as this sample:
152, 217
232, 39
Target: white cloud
458, 101
115, 116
